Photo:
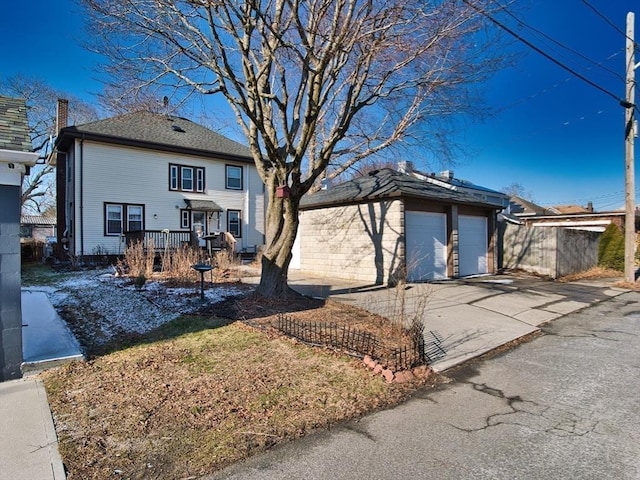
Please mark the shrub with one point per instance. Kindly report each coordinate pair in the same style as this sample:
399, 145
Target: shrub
138, 260
611, 248
177, 264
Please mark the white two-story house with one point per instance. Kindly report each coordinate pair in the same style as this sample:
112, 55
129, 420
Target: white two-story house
145, 175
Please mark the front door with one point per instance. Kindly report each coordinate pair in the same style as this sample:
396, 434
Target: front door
199, 226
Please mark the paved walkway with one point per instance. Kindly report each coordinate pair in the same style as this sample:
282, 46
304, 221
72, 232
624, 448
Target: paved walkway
28, 442
473, 316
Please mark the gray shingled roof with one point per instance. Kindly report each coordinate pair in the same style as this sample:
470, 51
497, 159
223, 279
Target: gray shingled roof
387, 183
14, 127
157, 131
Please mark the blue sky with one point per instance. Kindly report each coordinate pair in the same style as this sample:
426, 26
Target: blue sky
558, 137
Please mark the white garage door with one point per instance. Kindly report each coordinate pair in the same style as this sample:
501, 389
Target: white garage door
472, 241
426, 245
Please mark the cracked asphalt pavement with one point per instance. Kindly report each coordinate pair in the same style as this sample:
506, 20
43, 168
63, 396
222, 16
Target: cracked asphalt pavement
564, 406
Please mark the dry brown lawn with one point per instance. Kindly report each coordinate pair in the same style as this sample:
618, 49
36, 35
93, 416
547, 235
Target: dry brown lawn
201, 393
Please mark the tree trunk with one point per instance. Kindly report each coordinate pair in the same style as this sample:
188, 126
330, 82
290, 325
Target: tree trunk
282, 227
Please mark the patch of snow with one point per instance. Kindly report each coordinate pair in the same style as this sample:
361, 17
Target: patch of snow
113, 306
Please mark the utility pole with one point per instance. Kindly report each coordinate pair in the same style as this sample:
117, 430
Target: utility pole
629, 196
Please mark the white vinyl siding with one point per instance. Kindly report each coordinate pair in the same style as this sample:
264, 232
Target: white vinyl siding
145, 183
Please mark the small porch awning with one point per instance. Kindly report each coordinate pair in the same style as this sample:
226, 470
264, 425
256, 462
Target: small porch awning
203, 205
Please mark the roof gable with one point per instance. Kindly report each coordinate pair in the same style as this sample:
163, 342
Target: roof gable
157, 131
388, 183
14, 127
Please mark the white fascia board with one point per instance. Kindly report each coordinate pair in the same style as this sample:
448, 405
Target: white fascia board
16, 156
13, 165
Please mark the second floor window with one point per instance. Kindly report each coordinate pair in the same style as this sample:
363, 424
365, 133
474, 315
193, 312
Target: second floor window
234, 177
185, 178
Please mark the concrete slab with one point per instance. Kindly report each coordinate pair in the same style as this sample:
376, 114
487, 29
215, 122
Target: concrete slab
45, 337
28, 443
516, 303
536, 317
469, 331
566, 307
461, 293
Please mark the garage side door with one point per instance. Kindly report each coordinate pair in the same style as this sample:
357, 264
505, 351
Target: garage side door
472, 241
426, 245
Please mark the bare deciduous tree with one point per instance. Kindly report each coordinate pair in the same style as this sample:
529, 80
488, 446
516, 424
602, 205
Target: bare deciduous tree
311, 82
38, 194
516, 189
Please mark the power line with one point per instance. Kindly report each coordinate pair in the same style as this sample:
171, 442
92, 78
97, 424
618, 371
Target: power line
606, 19
545, 54
560, 44
549, 88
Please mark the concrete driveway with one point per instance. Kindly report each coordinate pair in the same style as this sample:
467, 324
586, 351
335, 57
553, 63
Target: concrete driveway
564, 406
471, 315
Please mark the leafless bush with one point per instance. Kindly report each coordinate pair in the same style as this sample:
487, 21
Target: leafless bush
225, 262
138, 259
177, 264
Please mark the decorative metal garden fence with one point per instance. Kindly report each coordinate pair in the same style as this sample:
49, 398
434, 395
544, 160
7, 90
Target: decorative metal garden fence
415, 352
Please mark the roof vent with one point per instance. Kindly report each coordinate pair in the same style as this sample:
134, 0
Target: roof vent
405, 166
373, 173
177, 128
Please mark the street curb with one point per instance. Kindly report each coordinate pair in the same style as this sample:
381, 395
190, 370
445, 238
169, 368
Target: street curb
57, 467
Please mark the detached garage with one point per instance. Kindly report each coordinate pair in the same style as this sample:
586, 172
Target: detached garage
390, 225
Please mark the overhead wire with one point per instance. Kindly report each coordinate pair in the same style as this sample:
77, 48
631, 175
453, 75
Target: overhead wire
606, 19
550, 87
560, 44
543, 53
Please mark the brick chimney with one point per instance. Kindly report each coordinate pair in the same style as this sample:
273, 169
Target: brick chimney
590, 207
62, 114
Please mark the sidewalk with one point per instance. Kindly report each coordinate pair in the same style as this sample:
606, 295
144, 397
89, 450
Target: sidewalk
28, 442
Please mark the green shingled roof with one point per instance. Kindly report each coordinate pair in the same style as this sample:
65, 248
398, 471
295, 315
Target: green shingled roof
14, 128
157, 131
388, 183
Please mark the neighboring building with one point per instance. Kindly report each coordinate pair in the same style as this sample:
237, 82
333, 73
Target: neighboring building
37, 235
16, 158
523, 212
390, 225
38, 228
521, 208
146, 175
553, 241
